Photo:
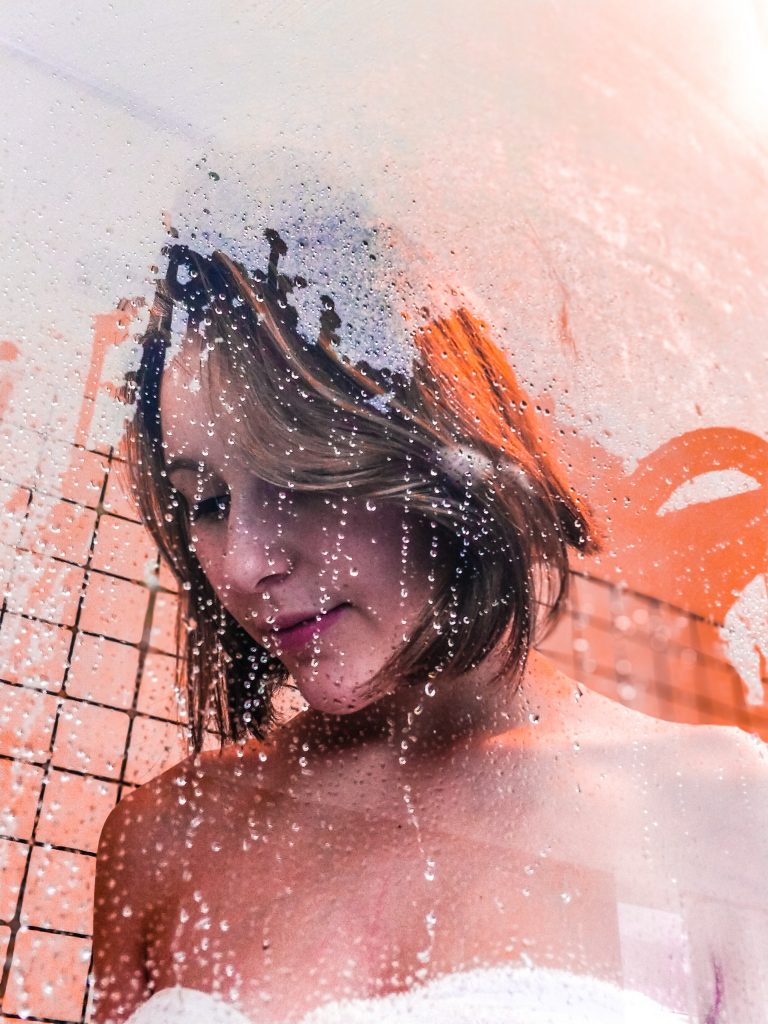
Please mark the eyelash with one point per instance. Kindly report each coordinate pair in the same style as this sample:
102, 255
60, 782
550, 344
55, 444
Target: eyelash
216, 508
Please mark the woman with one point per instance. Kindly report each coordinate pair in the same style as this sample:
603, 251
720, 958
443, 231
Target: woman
449, 829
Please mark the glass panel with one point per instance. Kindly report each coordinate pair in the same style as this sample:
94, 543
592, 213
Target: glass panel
383, 469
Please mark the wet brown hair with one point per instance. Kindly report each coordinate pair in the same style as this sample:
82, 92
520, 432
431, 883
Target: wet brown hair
454, 441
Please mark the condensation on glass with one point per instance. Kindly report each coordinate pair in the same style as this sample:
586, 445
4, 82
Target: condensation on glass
410, 302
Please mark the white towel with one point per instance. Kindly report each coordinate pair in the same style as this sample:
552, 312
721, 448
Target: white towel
495, 995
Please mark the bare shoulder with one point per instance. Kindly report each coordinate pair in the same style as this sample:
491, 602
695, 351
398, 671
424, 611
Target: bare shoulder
127, 892
152, 816
711, 768
707, 787
704, 786
704, 758
725, 779
152, 831
722, 776
144, 819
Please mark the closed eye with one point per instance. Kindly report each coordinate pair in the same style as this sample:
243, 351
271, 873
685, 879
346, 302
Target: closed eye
215, 508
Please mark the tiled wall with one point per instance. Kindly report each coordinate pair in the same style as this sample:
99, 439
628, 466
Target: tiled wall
651, 657
96, 716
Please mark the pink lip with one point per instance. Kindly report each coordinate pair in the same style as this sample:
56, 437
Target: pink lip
298, 636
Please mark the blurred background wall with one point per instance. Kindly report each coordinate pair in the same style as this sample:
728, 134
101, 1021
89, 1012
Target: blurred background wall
594, 177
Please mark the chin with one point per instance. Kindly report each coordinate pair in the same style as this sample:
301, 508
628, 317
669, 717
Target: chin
331, 699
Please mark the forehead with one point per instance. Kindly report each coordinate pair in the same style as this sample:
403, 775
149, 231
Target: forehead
202, 401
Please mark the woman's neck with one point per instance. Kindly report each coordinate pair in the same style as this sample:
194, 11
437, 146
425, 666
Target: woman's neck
437, 716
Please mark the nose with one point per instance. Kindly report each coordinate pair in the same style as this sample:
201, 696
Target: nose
256, 552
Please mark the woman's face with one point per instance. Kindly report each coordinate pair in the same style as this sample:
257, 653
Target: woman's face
354, 574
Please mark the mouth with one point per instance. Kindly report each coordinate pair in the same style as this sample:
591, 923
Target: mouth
300, 634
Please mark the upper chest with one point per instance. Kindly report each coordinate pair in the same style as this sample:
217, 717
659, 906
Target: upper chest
372, 883
357, 907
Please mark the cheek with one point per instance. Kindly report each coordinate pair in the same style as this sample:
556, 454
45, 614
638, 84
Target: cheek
211, 561
400, 563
